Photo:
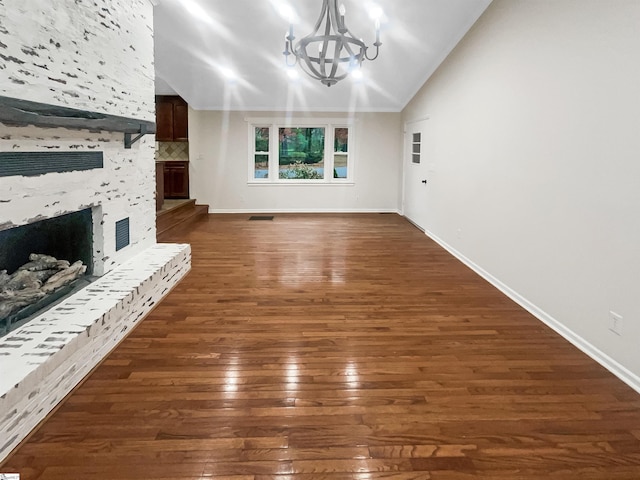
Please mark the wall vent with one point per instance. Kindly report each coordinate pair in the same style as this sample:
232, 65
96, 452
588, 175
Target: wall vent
122, 233
38, 163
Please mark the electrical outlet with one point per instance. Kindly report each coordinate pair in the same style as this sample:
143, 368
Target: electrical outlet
459, 233
615, 323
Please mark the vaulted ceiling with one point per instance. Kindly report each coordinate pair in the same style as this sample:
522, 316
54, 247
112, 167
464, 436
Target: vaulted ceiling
227, 54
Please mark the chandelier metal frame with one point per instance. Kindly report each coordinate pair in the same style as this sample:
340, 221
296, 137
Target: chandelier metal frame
330, 52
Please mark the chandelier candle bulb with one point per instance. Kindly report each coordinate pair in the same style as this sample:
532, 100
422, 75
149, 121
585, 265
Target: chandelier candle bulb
342, 29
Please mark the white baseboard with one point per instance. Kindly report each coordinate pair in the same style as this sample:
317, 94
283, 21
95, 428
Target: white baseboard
303, 210
599, 356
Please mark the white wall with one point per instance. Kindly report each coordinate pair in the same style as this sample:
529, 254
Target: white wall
218, 153
536, 119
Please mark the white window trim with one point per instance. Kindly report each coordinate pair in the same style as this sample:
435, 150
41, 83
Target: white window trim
275, 123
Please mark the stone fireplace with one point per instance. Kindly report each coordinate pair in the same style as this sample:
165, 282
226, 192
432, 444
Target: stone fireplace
76, 87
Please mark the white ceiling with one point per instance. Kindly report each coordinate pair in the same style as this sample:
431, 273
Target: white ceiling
194, 52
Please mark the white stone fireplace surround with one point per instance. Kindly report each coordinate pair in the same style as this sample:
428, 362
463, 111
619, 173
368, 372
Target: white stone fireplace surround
93, 57
43, 360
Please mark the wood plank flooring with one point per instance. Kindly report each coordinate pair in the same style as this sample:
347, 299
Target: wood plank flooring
337, 347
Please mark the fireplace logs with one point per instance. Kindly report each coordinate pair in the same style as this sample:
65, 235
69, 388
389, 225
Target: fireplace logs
35, 280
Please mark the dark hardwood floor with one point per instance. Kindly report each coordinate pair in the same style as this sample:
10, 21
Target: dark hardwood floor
337, 347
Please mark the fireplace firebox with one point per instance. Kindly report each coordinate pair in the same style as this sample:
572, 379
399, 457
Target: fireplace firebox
67, 238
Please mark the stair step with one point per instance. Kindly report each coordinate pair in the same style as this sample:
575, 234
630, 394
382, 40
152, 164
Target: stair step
187, 211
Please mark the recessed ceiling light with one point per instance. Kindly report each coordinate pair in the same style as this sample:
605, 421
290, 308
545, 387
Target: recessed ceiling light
293, 74
285, 10
376, 12
196, 10
357, 75
228, 73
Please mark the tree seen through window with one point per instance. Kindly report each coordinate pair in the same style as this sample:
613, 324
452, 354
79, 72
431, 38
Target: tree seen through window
301, 153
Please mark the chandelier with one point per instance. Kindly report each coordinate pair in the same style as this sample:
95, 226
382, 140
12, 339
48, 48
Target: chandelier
330, 52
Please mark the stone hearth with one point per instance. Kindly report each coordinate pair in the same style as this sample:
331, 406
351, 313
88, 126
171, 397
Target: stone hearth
42, 361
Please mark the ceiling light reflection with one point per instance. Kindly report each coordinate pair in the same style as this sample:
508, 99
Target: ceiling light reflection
295, 95
351, 374
231, 379
362, 473
292, 376
351, 370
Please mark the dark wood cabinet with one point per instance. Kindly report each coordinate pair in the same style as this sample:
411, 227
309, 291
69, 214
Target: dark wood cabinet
176, 179
159, 185
180, 121
164, 122
172, 125
172, 119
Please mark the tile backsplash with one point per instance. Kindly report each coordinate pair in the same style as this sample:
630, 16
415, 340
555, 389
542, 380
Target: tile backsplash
172, 150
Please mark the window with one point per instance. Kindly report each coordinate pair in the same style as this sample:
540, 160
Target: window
340, 152
313, 151
261, 152
301, 153
415, 147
